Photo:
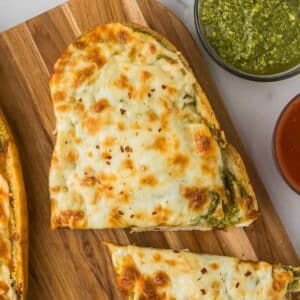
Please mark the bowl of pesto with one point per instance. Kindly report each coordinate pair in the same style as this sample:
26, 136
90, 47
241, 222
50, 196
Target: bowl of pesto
254, 39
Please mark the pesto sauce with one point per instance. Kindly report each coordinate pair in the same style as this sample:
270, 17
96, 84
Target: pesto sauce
256, 36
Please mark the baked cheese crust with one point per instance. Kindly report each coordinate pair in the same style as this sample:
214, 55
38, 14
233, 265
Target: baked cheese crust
138, 144
147, 273
13, 220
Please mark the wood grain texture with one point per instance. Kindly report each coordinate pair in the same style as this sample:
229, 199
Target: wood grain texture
68, 264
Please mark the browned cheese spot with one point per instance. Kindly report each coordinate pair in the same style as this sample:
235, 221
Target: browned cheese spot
197, 197
109, 141
72, 156
132, 53
149, 180
71, 218
136, 126
171, 262
171, 90
121, 126
128, 278
104, 191
88, 181
179, 163
63, 108
123, 83
128, 164
123, 36
161, 215
58, 96
152, 48
100, 105
94, 56
81, 75
161, 279
80, 44
91, 125
106, 177
156, 257
202, 143
149, 289
94, 36
160, 144
214, 266
145, 75
124, 197
115, 218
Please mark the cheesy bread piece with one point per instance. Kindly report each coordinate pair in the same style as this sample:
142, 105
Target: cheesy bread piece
138, 144
148, 273
13, 220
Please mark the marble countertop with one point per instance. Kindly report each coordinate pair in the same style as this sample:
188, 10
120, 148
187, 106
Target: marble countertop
254, 107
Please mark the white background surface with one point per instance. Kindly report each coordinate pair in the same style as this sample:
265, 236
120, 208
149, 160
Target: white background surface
254, 107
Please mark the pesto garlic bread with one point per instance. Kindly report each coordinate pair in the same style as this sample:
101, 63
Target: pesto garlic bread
147, 273
13, 219
138, 144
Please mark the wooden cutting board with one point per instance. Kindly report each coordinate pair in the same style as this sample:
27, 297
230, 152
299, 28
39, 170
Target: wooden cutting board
65, 264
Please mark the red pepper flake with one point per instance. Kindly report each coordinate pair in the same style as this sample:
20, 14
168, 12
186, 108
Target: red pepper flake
248, 273
203, 291
159, 130
152, 90
108, 157
120, 213
154, 213
128, 149
97, 147
122, 111
203, 270
121, 148
237, 285
131, 216
163, 86
175, 251
149, 95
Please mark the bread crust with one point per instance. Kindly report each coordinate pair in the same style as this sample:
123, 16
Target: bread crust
15, 177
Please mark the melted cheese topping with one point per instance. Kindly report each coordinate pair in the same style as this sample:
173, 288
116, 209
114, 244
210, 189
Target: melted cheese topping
132, 148
146, 273
6, 281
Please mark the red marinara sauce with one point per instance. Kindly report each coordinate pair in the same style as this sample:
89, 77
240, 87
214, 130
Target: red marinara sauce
287, 143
